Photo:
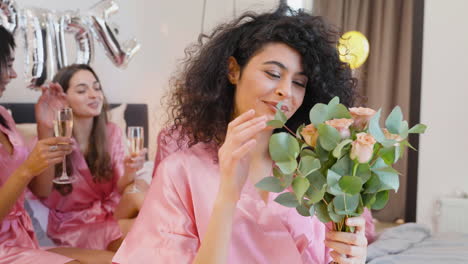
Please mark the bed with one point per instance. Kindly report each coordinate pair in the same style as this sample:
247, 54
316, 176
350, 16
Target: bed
414, 244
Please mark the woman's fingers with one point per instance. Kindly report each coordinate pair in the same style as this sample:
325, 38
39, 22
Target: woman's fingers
250, 131
249, 123
349, 238
346, 249
243, 150
241, 119
359, 222
342, 259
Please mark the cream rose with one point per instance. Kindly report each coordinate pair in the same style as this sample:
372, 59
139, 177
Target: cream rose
362, 148
361, 116
342, 125
310, 135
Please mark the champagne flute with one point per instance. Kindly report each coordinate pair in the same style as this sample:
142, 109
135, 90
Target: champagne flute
63, 127
135, 140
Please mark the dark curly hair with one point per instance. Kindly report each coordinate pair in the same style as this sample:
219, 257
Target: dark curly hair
202, 100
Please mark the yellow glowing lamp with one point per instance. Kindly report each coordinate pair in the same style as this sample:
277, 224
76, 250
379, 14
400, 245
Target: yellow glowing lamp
353, 48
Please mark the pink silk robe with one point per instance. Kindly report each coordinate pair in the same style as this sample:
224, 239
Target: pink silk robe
18, 243
177, 209
84, 218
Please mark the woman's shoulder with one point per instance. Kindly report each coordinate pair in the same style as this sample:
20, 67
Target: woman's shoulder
193, 160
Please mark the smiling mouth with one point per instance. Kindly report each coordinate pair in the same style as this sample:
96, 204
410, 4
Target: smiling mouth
272, 105
94, 105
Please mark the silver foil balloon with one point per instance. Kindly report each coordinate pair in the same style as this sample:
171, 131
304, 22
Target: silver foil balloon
41, 38
119, 54
8, 15
72, 23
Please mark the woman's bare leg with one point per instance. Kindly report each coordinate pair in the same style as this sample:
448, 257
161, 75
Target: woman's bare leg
85, 256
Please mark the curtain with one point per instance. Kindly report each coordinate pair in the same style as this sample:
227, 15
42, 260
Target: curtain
384, 80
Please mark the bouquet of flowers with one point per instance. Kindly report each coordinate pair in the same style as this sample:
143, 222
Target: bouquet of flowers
339, 163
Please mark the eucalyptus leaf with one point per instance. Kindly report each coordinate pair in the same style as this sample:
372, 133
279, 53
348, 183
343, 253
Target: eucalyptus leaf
321, 211
307, 152
316, 195
388, 177
329, 137
394, 121
333, 183
368, 199
338, 111
345, 204
418, 129
340, 146
287, 167
321, 152
285, 179
271, 184
388, 154
363, 171
308, 165
275, 123
350, 184
287, 199
404, 130
312, 210
381, 200
343, 166
302, 210
374, 127
300, 186
316, 180
372, 185
283, 147
333, 215
318, 114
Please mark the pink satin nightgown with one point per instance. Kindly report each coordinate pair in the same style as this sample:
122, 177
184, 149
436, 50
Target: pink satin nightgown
84, 218
18, 243
176, 211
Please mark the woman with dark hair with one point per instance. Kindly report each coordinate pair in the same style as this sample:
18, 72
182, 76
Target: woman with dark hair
202, 206
20, 168
82, 213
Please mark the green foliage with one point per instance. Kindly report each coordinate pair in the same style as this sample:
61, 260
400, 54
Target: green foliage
287, 199
271, 184
323, 180
418, 129
329, 137
350, 184
300, 186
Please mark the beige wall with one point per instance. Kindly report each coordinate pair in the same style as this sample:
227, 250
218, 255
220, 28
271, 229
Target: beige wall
164, 29
443, 155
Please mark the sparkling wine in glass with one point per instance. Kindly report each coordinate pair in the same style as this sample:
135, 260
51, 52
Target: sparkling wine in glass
135, 141
63, 127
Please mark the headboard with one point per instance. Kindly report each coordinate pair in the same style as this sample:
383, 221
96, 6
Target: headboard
135, 114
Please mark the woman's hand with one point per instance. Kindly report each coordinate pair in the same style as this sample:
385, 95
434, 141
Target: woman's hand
135, 162
233, 162
46, 153
52, 99
349, 248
